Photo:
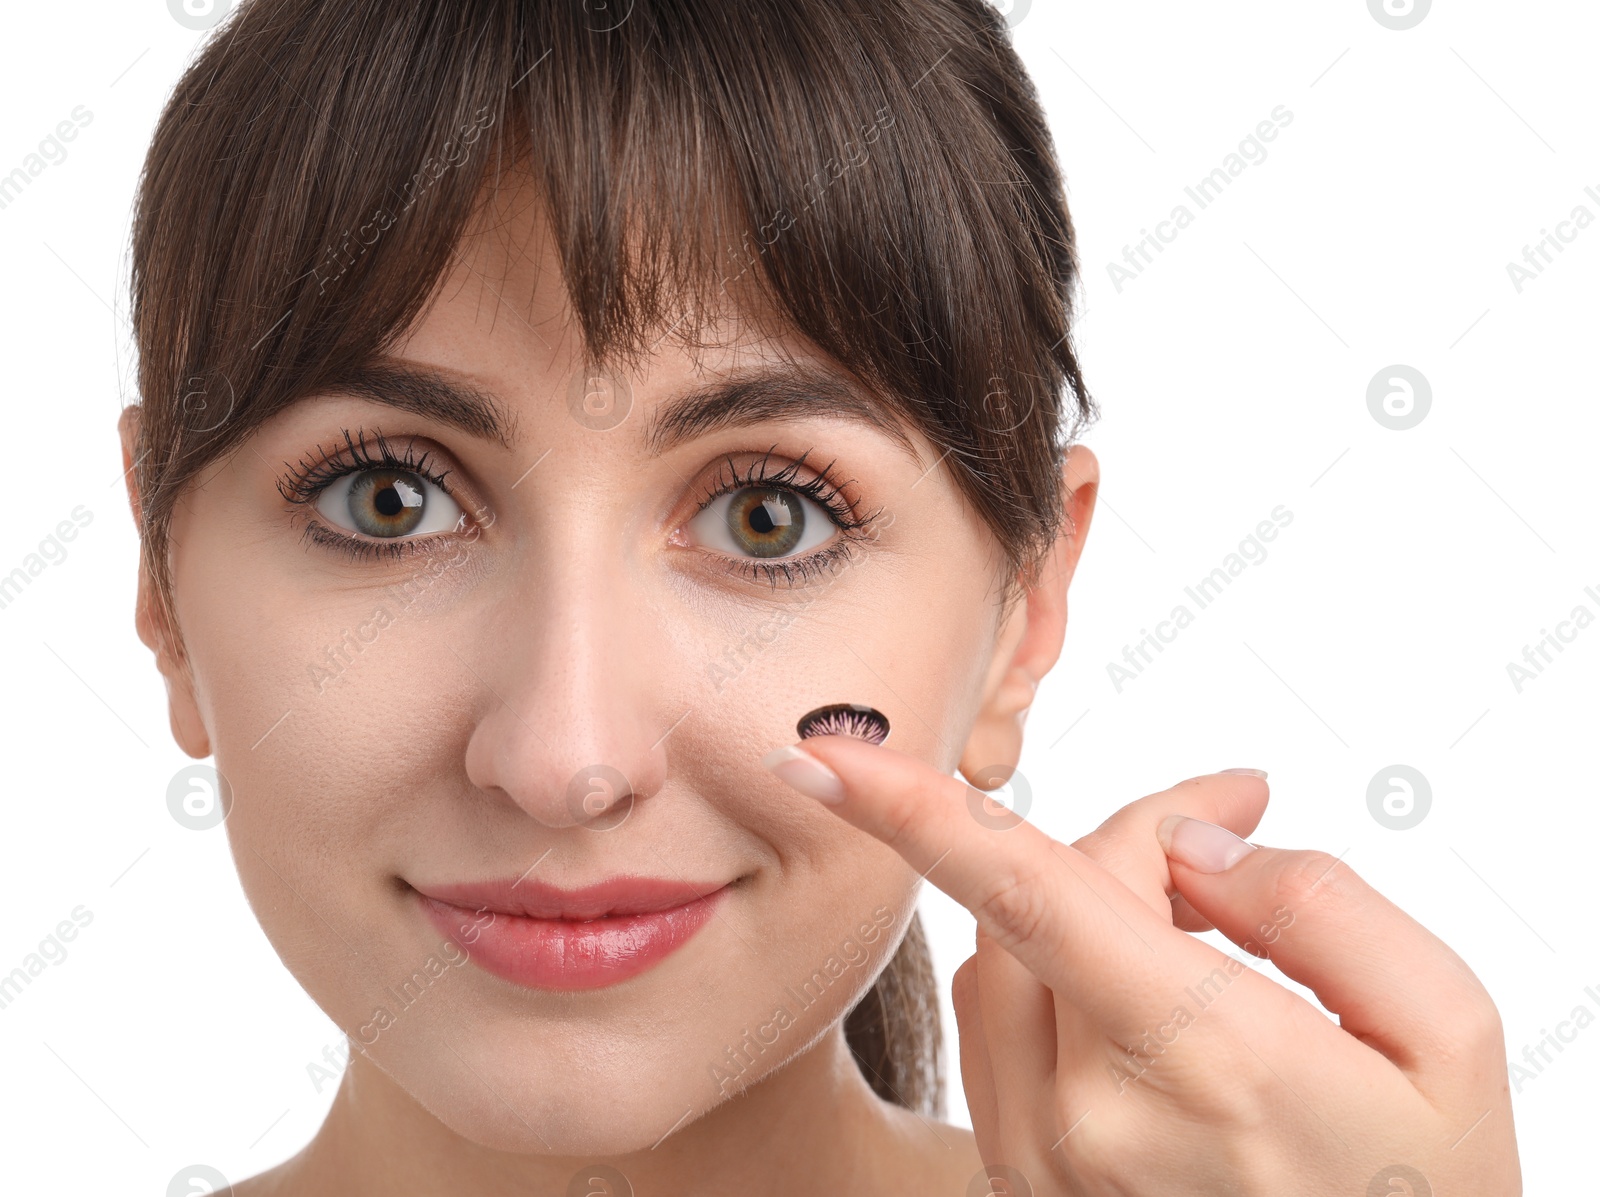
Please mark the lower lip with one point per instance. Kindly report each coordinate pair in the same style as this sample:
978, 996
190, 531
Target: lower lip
558, 954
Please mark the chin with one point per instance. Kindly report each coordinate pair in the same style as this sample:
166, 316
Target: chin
585, 1100
602, 1131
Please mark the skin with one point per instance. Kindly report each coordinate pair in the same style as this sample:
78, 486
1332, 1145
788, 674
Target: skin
579, 628
575, 627
1104, 1050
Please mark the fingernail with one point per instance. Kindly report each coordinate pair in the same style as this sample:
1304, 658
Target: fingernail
805, 773
1202, 846
1248, 772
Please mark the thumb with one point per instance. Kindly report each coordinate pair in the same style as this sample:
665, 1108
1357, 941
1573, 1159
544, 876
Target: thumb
1392, 982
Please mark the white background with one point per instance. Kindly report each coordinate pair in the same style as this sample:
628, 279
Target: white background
1233, 372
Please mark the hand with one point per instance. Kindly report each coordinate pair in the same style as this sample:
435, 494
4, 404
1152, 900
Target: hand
1106, 1051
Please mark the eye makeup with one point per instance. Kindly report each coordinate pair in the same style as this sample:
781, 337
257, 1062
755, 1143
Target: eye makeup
388, 495
845, 719
396, 483
762, 515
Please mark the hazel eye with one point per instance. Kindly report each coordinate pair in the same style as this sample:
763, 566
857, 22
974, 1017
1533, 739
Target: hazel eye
387, 503
762, 521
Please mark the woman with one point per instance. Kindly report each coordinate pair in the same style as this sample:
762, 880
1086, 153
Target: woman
548, 410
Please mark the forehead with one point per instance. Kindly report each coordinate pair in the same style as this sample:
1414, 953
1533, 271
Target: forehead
507, 266
500, 331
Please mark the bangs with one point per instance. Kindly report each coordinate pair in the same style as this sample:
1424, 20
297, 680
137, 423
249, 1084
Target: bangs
877, 173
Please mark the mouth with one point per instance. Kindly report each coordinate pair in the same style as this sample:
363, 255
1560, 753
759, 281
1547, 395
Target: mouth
543, 937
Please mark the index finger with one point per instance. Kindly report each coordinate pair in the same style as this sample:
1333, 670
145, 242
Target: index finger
1072, 923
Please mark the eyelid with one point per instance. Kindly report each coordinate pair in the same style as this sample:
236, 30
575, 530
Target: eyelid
796, 475
306, 483
300, 482
818, 486
419, 457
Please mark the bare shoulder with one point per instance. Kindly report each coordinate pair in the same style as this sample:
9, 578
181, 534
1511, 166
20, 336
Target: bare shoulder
280, 1181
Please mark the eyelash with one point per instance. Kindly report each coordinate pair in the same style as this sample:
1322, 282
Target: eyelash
304, 483
822, 491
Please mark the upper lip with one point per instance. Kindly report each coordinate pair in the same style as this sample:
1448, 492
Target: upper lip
540, 900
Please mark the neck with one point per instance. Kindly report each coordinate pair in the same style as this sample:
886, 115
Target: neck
813, 1125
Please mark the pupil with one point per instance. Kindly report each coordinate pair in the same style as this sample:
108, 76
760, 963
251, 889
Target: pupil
388, 501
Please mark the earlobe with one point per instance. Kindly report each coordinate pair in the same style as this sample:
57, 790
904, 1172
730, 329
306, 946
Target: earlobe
183, 711
1030, 643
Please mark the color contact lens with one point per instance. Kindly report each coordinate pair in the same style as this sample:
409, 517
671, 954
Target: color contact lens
845, 719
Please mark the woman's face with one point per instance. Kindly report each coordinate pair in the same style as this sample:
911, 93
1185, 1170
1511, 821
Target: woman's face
571, 679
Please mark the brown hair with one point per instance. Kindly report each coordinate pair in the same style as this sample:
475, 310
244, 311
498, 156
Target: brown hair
880, 169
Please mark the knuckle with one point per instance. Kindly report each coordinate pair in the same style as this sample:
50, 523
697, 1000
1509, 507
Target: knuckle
964, 984
1137, 819
1095, 842
1475, 1025
1095, 1144
1015, 906
1489, 1035
900, 813
1465, 1042
1109, 848
1308, 875
1240, 1109
1490, 1024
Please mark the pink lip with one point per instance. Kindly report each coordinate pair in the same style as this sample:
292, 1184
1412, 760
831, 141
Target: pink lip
543, 937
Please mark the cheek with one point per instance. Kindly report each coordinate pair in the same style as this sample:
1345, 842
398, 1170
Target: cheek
328, 720
820, 934
922, 664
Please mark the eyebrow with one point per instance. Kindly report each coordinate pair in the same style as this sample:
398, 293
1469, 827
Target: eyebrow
754, 395
770, 393
427, 392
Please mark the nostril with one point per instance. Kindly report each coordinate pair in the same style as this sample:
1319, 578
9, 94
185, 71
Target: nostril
600, 797
845, 719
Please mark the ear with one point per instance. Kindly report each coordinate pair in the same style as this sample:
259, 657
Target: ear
1029, 643
157, 633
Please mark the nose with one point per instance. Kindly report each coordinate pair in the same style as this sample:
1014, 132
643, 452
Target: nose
570, 722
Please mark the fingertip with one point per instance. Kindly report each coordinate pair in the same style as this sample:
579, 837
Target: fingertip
841, 752
798, 768
1201, 845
